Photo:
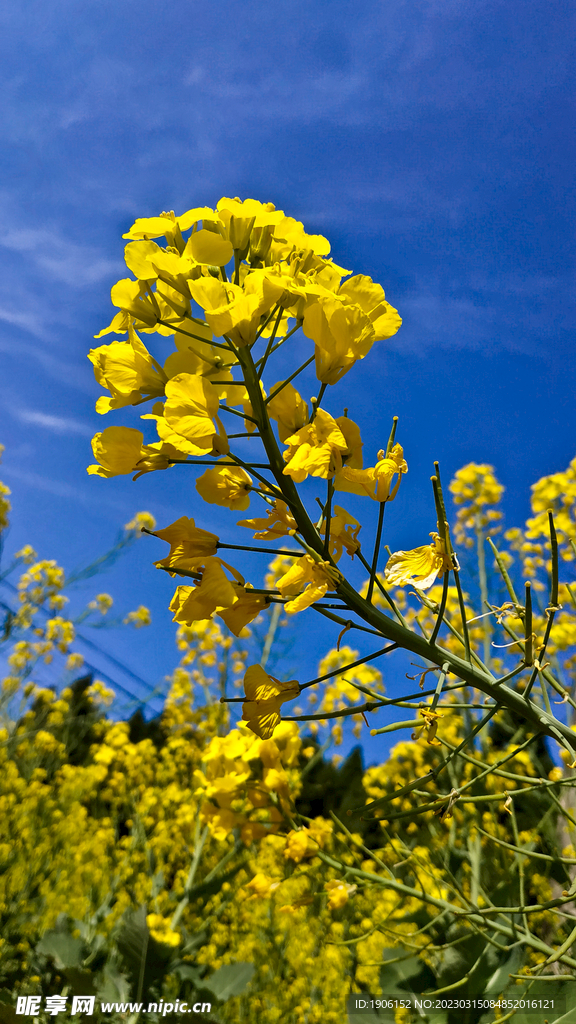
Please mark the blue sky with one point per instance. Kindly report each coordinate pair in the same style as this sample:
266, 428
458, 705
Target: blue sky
431, 142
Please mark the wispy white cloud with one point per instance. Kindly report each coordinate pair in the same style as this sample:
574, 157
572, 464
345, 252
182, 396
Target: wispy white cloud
67, 372
27, 321
55, 424
122, 509
50, 485
61, 258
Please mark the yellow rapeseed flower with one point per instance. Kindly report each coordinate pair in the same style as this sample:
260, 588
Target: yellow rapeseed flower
262, 886
279, 522
375, 481
343, 332
364, 292
232, 310
229, 486
235, 603
418, 567
214, 593
339, 893
120, 450
264, 698
190, 409
139, 617
307, 578
315, 449
344, 530
189, 545
289, 410
245, 609
128, 371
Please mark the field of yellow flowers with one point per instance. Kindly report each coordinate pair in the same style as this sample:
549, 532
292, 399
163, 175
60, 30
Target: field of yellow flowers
185, 861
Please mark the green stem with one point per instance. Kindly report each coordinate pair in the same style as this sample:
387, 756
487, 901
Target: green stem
188, 334
504, 573
441, 610
487, 627
346, 712
376, 551
321, 609
526, 853
316, 402
328, 517
281, 342
190, 880
475, 916
243, 415
528, 655
444, 531
520, 862
288, 380
216, 465
383, 591
346, 668
270, 635
553, 607
271, 339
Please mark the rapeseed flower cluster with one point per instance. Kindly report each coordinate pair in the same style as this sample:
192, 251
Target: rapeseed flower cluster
476, 492
218, 282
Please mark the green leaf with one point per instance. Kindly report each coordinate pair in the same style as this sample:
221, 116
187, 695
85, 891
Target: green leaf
364, 1015
483, 971
64, 949
145, 960
8, 1014
500, 979
565, 991
408, 975
228, 981
189, 973
206, 889
567, 1018
113, 987
82, 983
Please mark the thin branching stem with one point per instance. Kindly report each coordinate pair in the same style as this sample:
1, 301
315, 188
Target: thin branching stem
376, 553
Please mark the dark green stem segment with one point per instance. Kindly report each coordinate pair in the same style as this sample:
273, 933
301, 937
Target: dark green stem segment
528, 644
176, 327
554, 567
553, 607
441, 610
262, 551
444, 531
292, 331
288, 380
504, 574
328, 518
271, 340
316, 402
390, 444
483, 580
377, 543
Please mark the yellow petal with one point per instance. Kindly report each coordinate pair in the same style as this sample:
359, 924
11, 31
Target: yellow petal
191, 404
199, 213
136, 257
150, 227
209, 247
117, 449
